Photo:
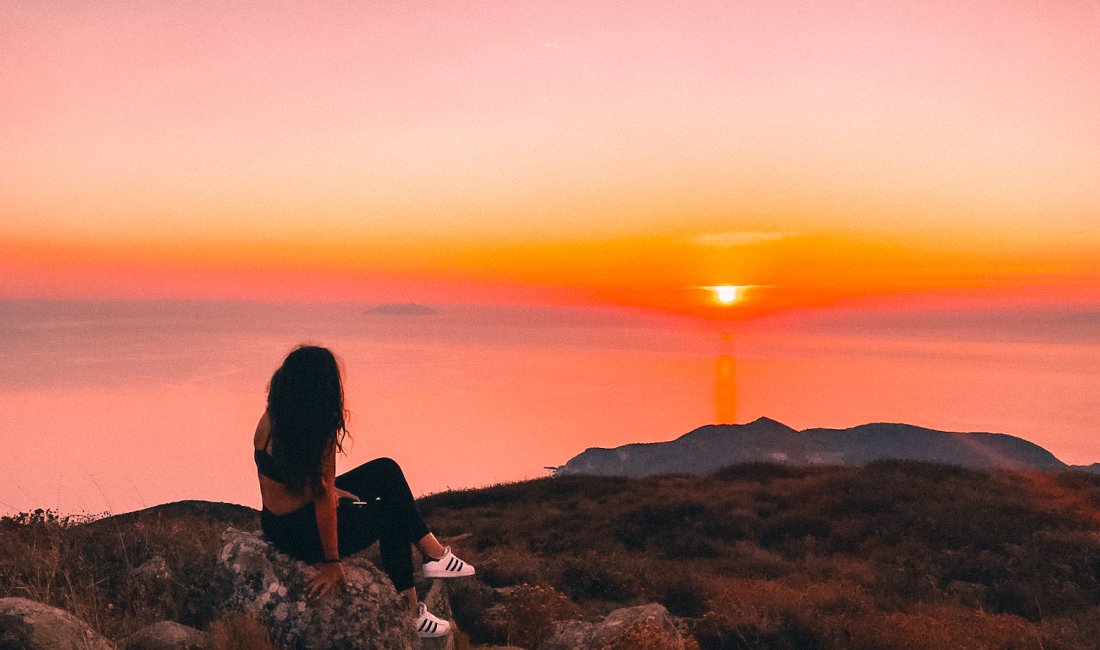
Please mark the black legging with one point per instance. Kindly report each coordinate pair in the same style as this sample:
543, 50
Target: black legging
390, 516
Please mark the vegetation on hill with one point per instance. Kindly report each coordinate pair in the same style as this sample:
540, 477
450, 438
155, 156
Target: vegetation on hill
896, 554
98, 568
890, 555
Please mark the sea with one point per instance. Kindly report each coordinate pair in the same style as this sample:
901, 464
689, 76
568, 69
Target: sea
110, 406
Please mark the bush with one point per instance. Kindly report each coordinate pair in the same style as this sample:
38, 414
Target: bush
504, 567
593, 576
683, 596
647, 636
533, 611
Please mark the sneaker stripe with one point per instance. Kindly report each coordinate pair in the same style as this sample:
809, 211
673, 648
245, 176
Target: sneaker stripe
423, 624
434, 627
460, 565
450, 564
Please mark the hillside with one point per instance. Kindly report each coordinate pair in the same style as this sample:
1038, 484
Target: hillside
765, 440
893, 554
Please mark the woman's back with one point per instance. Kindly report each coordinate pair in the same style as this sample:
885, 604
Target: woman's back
277, 498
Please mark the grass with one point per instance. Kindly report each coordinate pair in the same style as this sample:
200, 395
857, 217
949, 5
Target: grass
93, 567
890, 555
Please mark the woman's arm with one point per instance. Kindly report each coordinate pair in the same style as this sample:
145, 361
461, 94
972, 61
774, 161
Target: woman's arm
330, 572
324, 505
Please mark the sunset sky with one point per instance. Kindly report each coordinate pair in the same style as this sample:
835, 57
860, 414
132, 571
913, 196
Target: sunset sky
613, 153
904, 195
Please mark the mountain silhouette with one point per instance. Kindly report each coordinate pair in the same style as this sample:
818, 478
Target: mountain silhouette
765, 440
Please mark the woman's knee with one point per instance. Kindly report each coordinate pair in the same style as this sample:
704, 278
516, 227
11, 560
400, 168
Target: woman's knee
387, 466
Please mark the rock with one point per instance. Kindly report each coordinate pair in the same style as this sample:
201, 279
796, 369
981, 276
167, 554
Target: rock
644, 626
478, 610
28, 625
153, 579
166, 635
438, 603
155, 569
366, 613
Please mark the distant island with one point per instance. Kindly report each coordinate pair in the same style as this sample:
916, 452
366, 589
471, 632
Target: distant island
765, 440
401, 309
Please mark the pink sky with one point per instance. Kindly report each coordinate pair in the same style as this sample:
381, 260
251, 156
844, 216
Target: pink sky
458, 127
877, 166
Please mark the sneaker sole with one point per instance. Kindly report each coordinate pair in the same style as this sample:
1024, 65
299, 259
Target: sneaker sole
448, 574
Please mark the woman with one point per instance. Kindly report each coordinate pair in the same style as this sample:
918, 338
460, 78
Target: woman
316, 516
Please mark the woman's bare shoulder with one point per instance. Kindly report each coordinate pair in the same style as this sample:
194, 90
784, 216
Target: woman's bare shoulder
263, 432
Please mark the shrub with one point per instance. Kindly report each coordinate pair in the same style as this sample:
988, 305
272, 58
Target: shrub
593, 576
763, 472
533, 611
647, 636
504, 567
683, 596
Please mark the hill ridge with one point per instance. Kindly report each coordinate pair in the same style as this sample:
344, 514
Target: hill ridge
709, 447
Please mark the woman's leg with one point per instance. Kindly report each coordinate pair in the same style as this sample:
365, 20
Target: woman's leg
430, 546
390, 515
382, 479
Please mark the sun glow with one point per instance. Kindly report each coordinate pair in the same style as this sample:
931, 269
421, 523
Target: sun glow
726, 294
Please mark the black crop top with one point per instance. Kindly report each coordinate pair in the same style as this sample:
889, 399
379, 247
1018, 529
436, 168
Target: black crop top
269, 467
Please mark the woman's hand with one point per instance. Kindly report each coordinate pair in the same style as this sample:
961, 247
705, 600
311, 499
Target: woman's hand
329, 576
344, 494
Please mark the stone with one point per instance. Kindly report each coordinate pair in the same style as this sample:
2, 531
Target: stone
155, 569
365, 613
648, 626
439, 604
153, 579
29, 625
478, 609
166, 635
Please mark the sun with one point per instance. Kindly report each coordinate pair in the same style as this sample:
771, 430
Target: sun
726, 294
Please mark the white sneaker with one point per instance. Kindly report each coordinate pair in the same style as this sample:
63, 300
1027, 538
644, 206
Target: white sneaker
429, 625
447, 566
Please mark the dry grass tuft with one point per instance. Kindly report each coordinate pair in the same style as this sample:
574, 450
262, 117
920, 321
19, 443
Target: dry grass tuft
238, 631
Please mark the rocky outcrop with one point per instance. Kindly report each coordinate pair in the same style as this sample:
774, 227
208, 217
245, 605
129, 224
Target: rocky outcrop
166, 635
366, 613
645, 626
27, 625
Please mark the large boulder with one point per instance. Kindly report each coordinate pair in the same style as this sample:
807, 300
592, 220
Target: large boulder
166, 635
29, 625
366, 613
644, 626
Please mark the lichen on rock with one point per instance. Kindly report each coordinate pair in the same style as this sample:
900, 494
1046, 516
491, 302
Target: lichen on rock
365, 613
648, 626
166, 635
29, 625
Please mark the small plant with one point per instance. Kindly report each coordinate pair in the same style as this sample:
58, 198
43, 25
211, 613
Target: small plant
533, 611
238, 631
647, 636
683, 596
593, 576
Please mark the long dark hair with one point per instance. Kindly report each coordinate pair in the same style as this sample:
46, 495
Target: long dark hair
305, 403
